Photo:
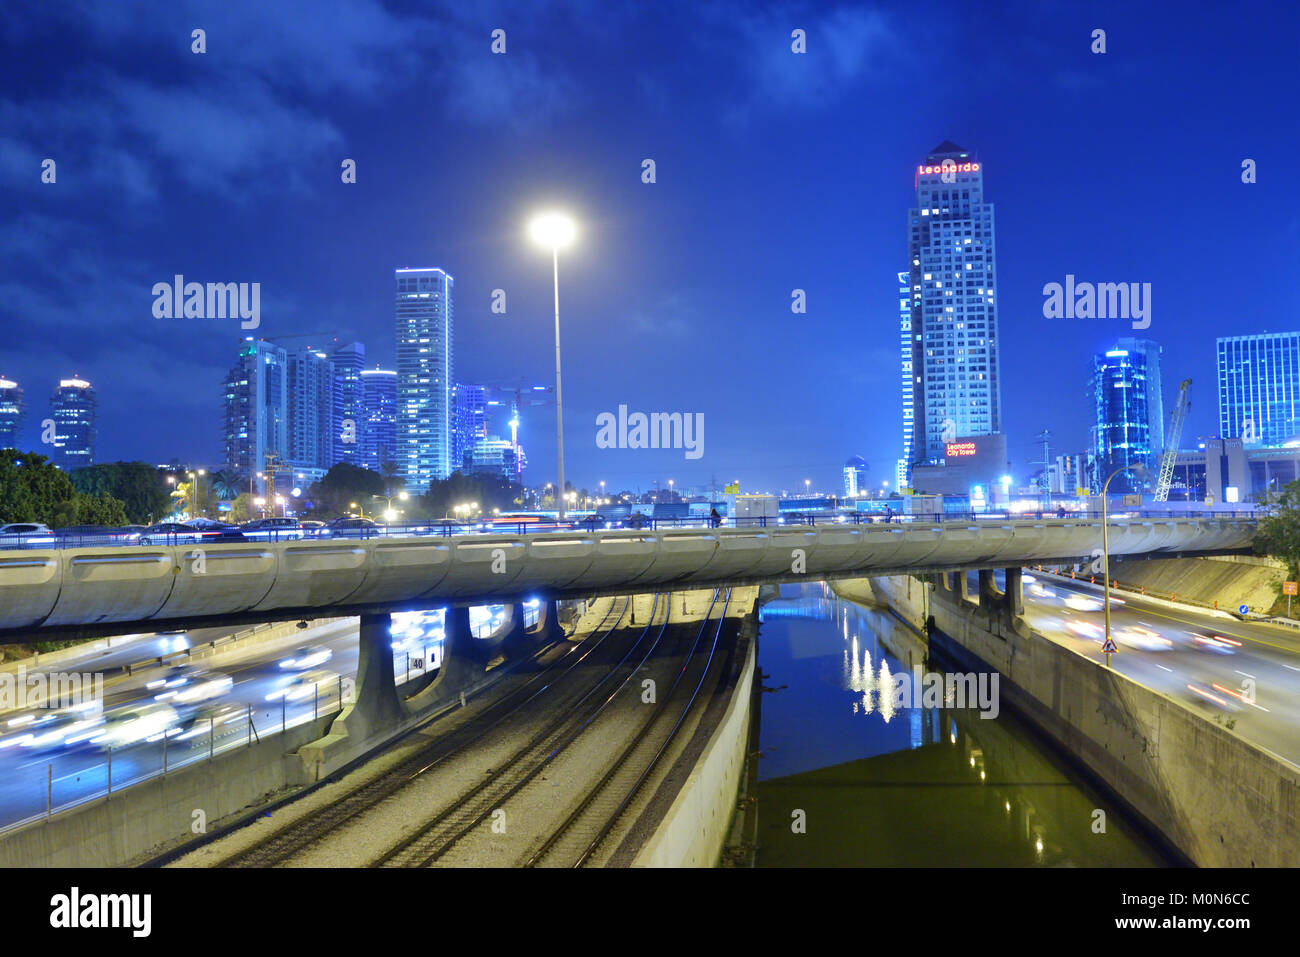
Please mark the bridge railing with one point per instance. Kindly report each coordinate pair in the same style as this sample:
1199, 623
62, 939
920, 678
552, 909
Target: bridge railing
448, 527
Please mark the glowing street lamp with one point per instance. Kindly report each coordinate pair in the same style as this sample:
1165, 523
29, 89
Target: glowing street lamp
556, 231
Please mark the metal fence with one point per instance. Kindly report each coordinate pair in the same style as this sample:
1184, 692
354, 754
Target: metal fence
590, 524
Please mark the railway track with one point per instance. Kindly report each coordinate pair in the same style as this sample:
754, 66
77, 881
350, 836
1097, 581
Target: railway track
440, 834
579, 837
316, 827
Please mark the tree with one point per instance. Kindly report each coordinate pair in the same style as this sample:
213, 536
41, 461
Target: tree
342, 484
1279, 530
33, 490
242, 509
226, 484
139, 486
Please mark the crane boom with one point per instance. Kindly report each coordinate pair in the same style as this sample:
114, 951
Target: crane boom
1166, 478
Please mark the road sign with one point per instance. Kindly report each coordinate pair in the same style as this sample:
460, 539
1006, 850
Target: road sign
1291, 588
1244, 609
1109, 646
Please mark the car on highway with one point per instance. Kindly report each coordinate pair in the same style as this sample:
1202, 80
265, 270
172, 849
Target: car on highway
1136, 636
273, 529
170, 533
351, 528
29, 534
311, 656
1082, 603
1217, 644
132, 725
306, 685
42, 730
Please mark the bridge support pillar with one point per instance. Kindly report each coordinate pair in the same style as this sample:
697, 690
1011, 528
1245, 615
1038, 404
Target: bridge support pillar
548, 626
990, 597
521, 640
375, 708
1015, 594
963, 585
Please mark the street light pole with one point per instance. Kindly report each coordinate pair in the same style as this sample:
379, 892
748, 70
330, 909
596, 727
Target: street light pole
559, 391
554, 230
1138, 471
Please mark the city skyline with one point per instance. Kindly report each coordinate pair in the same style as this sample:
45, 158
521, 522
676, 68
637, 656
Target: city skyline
689, 264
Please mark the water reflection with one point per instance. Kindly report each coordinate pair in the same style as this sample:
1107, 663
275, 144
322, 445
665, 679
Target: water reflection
886, 781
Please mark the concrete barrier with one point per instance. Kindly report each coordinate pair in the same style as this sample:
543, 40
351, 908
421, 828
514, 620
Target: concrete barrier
145, 818
693, 831
1217, 798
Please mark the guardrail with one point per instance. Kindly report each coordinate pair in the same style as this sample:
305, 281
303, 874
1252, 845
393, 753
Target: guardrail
449, 528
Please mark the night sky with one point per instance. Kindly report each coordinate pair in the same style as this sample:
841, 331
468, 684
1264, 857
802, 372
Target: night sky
775, 171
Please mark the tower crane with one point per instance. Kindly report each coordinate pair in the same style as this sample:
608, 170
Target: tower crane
1175, 433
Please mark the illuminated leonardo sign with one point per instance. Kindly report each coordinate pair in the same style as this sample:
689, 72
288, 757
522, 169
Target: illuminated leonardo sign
951, 168
957, 449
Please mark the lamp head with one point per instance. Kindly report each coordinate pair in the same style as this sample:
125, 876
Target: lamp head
553, 230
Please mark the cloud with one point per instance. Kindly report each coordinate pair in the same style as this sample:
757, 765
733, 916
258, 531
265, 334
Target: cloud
844, 48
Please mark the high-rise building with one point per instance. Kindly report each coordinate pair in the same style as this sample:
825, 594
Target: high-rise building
378, 436
855, 477
1122, 433
1155, 393
471, 413
903, 471
494, 456
11, 414
72, 407
349, 417
953, 321
424, 376
1259, 387
255, 397
310, 388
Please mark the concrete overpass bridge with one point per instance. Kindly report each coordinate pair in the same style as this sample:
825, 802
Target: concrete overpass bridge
88, 592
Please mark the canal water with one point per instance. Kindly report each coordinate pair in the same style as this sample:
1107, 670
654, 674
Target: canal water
852, 777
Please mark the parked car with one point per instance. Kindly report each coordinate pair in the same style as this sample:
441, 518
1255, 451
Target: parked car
18, 534
273, 529
77, 535
224, 533
170, 533
350, 528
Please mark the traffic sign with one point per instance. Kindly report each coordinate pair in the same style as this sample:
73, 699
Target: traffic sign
1291, 588
1109, 646
1244, 609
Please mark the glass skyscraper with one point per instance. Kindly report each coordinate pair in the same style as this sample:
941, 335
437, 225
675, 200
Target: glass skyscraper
255, 397
424, 371
1259, 385
349, 418
1122, 433
953, 323
470, 403
903, 473
72, 407
11, 414
379, 435
1154, 391
311, 409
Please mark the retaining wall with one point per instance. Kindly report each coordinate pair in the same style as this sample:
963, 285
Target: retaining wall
1219, 799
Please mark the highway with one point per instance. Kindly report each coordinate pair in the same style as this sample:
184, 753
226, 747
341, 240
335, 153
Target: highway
56, 758
1203, 660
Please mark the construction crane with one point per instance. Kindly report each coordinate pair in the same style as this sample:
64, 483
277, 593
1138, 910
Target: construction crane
1166, 478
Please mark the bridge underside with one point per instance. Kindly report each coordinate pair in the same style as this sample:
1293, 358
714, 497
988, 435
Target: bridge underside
84, 593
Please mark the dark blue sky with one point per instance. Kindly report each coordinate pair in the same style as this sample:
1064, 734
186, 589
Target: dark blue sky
775, 171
